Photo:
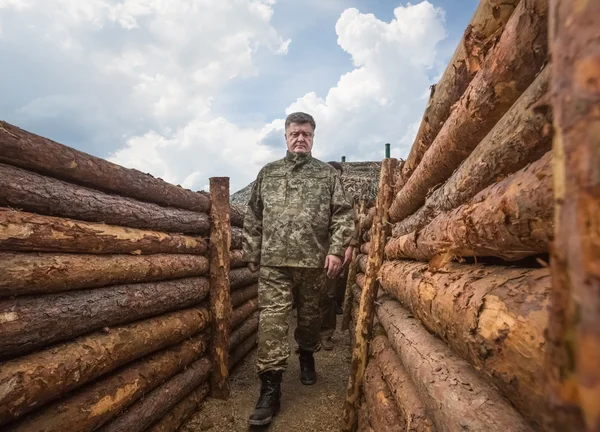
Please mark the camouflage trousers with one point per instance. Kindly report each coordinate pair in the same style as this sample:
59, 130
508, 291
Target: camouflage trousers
334, 296
278, 287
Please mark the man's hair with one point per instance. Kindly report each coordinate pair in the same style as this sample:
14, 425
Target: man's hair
337, 166
300, 118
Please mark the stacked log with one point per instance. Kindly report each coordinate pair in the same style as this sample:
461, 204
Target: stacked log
111, 293
473, 314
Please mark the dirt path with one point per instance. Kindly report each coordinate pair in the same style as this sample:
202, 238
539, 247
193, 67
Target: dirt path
303, 408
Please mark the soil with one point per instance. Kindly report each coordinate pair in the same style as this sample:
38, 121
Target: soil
303, 408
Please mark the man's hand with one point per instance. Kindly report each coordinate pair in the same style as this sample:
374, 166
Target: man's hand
348, 255
253, 267
333, 265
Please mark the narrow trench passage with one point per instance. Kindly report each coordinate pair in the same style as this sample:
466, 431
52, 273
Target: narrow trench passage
303, 408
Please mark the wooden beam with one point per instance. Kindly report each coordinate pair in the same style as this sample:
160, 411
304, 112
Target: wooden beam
364, 325
220, 301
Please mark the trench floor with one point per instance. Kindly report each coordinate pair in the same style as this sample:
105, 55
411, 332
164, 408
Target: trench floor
303, 408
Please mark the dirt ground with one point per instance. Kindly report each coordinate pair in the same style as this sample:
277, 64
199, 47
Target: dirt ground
303, 408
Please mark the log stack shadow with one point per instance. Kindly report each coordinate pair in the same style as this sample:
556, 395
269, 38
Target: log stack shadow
105, 317
463, 312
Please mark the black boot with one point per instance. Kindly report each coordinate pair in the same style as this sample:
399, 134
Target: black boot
308, 375
268, 403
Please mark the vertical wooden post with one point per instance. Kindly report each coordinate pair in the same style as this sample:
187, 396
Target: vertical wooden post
220, 301
364, 324
573, 355
347, 315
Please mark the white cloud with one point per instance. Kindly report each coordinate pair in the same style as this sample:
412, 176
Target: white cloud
150, 69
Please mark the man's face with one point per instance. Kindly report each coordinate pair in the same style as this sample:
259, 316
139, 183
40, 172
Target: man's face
299, 138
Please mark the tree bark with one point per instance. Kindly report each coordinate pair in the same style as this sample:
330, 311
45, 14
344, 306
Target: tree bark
244, 331
453, 392
182, 411
242, 350
364, 325
47, 196
574, 354
242, 312
101, 401
237, 237
30, 323
242, 277
220, 301
33, 152
367, 221
508, 71
21, 231
47, 273
481, 34
512, 219
242, 295
382, 409
494, 317
412, 412
350, 281
365, 248
362, 262
237, 215
522, 136
159, 401
74, 363
236, 259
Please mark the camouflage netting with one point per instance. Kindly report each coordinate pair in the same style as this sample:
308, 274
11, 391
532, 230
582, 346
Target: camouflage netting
360, 180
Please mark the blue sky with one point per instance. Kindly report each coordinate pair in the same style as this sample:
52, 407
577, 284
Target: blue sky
190, 92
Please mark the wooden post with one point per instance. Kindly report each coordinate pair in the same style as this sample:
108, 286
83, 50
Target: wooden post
573, 355
364, 324
220, 301
347, 315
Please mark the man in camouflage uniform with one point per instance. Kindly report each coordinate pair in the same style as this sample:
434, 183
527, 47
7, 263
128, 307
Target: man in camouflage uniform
295, 226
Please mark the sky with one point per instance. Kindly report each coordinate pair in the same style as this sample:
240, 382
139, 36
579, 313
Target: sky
190, 89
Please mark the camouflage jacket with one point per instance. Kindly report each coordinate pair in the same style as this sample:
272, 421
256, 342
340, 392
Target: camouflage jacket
297, 214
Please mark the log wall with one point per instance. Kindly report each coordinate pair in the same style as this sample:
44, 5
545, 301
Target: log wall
109, 284
481, 325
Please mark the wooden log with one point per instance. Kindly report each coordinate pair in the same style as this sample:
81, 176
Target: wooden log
350, 281
237, 215
494, 317
242, 312
362, 262
21, 231
364, 325
512, 219
486, 24
182, 411
156, 404
242, 295
367, 221
74, 363
242, 277
509, 70
29, 323
411, 410
47, 273
236, 259
522, 136
220, 301
365, 248
36, 193
450, 388
35, 153
244, 331
574, 354
382, 409
237, 237
242, 350
96, 404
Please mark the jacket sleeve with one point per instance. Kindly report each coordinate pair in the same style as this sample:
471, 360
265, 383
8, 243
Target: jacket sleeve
253, 224
341, 225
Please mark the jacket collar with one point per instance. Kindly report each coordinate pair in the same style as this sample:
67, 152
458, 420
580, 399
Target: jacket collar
297, 158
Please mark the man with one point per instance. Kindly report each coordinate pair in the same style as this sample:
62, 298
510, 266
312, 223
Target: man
334, 289
294, 230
